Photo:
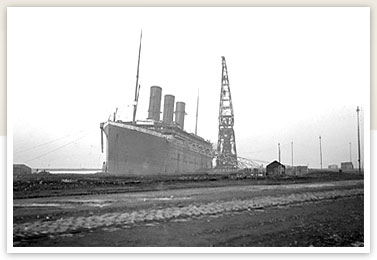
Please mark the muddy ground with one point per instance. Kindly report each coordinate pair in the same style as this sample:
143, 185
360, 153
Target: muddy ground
321, 209
52, 185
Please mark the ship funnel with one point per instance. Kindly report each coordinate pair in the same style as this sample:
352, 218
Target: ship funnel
155, 103
180, 113
168, 109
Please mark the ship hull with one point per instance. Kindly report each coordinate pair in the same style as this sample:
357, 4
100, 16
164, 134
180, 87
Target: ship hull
132, 150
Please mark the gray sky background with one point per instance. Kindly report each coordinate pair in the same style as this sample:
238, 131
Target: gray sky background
295, 74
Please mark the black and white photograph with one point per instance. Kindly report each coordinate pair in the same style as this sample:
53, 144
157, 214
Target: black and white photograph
236, 129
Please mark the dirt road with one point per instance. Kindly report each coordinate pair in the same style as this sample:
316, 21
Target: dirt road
312, 214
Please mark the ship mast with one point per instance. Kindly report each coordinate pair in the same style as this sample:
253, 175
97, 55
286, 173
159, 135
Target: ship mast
137, 87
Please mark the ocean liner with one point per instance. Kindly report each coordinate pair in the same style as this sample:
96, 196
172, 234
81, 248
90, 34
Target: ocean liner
154, 146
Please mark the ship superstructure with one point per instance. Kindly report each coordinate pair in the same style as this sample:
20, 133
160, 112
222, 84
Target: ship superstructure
154, 146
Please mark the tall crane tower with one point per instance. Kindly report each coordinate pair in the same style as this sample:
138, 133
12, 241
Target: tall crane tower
226, 145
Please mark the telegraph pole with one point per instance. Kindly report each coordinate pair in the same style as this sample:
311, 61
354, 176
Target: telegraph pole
350, 153
292, 153
358, 136
197, 110
279, 151
320, 150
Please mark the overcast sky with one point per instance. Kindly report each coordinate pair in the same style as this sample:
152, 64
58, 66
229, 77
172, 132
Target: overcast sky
294, 73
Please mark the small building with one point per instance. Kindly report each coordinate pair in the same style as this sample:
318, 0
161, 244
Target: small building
346, 166
333, 166
21, 169
297, 170
275, 168
301, 170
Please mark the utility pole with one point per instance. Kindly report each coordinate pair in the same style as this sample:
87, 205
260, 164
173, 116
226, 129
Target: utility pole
350, 153
279, 151
292, 153
320, 150
358, 136
197, 109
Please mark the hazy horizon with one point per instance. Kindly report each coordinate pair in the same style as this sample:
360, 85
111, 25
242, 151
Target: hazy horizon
293, 77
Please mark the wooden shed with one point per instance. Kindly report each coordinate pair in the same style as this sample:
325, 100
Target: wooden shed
275, 168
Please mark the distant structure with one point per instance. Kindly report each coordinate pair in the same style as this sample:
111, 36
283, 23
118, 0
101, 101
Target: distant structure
300, 170
21, 169
346, 166
297, 170
333, 166
226, 145
275, 168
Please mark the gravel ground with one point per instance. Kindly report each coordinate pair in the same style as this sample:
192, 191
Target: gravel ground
72, 220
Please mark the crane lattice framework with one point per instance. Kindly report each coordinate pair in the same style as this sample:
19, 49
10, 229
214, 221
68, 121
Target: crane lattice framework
226, 145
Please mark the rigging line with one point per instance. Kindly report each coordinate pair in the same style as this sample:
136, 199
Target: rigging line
39, 145
60, 147
52, 141
252, 160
